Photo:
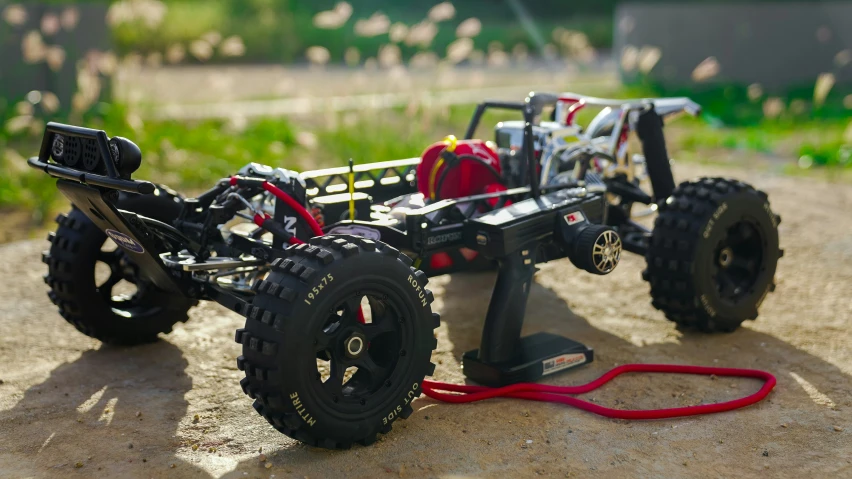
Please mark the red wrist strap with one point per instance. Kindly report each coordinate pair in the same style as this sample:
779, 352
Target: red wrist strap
558, 394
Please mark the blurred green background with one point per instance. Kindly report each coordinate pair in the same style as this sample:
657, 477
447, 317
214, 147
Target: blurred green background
156, 64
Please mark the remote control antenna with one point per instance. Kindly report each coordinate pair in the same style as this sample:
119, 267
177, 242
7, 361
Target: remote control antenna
351, 190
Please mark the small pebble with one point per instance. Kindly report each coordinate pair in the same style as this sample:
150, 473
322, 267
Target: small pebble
426, 417
130, 446
262, 458
138, 413
195, 447
1, 381
713, 377
195, 419
268, 465
838, 428
78, 465
106, 410
172, 465
765, 453
260, 449
212, 449
144, 460
79, 419
529, 441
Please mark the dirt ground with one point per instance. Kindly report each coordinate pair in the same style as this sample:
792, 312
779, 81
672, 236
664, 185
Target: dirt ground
70, 407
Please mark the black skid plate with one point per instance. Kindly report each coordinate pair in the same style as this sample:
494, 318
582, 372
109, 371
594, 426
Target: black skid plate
142, 249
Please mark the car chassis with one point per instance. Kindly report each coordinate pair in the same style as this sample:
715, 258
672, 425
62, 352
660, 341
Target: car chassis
198, 258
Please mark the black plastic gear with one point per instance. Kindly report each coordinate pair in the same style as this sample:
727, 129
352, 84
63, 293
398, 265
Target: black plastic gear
713, 254
305, 312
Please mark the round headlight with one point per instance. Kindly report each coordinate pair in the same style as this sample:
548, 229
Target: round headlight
57, 150
126, 155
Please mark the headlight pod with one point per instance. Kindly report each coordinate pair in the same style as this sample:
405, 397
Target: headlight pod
126, 155
65, 150
84, 154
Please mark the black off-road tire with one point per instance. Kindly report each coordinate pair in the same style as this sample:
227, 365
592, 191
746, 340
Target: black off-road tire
76, 248
691, 237
296, 318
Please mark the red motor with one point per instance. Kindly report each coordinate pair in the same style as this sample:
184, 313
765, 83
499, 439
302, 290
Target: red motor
456, 168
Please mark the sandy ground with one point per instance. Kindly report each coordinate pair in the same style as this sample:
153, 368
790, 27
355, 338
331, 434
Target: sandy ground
70, 407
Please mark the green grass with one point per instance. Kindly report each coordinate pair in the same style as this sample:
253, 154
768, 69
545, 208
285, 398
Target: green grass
824, 142
183, 155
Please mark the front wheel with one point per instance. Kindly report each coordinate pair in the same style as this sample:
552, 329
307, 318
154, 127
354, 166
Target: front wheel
337, 341
713, 254
97, 286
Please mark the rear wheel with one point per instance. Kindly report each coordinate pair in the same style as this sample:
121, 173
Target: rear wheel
713, 254
337, 341
96, 285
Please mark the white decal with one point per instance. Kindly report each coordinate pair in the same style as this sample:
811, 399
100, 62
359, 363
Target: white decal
290, 225
574, 218
559, 363
125, 241
356, 230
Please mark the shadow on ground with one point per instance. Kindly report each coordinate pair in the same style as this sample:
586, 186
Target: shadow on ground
90, 410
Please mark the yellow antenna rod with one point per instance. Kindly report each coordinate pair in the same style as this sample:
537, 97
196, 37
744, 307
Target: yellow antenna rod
351, 190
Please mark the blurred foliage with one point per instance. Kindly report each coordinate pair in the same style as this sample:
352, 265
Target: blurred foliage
281, 30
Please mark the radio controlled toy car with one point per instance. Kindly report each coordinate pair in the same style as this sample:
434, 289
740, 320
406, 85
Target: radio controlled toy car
330, 267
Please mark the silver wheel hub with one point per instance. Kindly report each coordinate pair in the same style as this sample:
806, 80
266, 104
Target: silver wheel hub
607, 251
726, 257
354, 346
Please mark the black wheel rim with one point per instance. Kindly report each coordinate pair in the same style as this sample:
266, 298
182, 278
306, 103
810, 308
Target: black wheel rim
739, 261
358, 363
122, 269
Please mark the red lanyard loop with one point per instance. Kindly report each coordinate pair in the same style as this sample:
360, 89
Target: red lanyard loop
559, 394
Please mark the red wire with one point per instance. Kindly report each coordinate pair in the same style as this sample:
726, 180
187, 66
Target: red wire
557, 394
300, 209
